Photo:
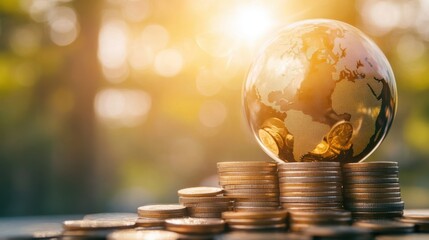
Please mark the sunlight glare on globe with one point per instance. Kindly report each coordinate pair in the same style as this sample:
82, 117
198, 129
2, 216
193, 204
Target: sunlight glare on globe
320, 90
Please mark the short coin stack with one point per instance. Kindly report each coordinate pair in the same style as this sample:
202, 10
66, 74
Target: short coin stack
372, 191
204, 202
252, 185
261, 220
151, 216
310, 185
300, 220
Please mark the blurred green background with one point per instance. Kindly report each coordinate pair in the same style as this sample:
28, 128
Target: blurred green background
109, 105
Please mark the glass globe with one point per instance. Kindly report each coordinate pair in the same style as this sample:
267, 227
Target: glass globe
320, 90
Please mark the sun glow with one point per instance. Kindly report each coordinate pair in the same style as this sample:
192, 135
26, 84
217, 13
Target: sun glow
250, 22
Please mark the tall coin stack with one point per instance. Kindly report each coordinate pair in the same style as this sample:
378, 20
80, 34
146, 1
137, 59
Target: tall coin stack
204, 202
310, 185
252, 185
372, 191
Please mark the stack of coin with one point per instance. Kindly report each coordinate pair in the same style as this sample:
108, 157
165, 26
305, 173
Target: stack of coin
372, 191
252, 185
418, 217
260, 220
302, 219
204, 202
310, 185
153, 216
93, 229
195, 225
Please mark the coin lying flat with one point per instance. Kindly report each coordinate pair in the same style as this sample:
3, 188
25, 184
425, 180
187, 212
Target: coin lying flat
111, 216
140, 235
195, 225
250, 186
200, 192
96, 224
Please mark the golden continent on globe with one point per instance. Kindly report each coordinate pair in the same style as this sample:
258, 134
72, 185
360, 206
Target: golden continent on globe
320, 90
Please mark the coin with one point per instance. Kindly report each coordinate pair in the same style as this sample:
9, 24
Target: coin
200, 192
256, 204
251, 186
206, 215
256, 199
287, 189
385, 172
133, 234
195, 225
111, 216
310, 199
253, 177
363, 180
269, 141
369, 165
396, 190
394, 206
250, 195
422, 214
371, 185
255, 215
373, 195
150, 222
247, 173
309, 179
163, 208
263, 221
252, 190
217, 199
340, 135
266, 169
311, 194
385, 226
309, 174
311, 185
255, 209
376, 215
257, 227
96, 224
248, 181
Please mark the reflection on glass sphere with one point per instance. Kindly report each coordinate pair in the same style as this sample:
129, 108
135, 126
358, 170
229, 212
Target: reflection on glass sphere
320, 90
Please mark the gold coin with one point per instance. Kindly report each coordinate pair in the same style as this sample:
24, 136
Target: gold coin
225, 170
97, 224
146, 234
255, 215
195, 225
150, 222
250, 173
254, 177
269, 141
321, 148
217, 199
340, 135
200, 192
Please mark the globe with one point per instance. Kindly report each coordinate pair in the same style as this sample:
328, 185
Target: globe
320, 90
